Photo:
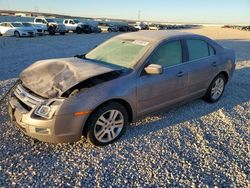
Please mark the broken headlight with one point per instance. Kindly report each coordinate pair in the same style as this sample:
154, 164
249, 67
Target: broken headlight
48, 110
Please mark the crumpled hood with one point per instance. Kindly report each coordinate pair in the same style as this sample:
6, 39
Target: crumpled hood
51, 78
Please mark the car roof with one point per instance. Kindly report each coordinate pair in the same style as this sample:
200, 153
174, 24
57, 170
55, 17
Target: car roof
155, 36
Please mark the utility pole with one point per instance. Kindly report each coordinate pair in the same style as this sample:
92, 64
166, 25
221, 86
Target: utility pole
8, 5
139, 15
36, 9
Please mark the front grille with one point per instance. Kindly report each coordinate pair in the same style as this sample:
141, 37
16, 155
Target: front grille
30, 32
26, 98
39, 30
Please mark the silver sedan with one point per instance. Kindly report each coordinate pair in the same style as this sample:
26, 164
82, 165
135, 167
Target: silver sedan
127, 77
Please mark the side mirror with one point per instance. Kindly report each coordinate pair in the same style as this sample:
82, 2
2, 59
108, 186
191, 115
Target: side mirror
153, 69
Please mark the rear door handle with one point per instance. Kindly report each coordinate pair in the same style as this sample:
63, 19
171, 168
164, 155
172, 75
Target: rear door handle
214, 64
180, 74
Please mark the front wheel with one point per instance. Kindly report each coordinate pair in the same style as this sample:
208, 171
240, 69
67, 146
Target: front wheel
62, 33
216, 89
107, 124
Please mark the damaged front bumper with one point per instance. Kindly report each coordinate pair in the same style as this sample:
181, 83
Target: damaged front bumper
58, 129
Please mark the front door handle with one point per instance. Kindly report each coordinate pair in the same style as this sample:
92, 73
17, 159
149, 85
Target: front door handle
214, 64
180, 74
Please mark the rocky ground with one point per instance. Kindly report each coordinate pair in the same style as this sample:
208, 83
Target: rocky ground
197, 144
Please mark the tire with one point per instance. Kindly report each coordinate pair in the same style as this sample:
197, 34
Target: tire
62, 33
17, 34
109, 30
101, 130
216, 89
51, 31
78, 30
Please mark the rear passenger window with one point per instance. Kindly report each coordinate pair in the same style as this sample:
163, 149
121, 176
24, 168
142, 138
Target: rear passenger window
197, 49
168, 54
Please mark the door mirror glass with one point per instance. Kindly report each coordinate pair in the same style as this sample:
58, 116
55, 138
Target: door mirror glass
153, 69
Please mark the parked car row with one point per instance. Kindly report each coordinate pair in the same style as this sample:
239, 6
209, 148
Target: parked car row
243, 28
42, 25
168, 27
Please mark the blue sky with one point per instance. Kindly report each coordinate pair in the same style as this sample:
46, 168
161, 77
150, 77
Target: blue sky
198, 11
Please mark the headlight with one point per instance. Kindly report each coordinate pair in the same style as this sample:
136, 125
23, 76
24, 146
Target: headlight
48, 110
43, 111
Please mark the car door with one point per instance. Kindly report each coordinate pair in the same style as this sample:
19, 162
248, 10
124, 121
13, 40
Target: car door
201, 66
10, 29
157, 91
72, 25
4, 28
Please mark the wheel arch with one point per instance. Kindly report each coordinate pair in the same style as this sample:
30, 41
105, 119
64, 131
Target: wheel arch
120, 101
225, 74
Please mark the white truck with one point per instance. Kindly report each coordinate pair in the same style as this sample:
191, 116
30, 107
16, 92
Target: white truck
50, 25
76, 26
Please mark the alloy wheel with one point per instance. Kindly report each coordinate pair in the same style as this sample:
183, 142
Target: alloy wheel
108, 126
217, 88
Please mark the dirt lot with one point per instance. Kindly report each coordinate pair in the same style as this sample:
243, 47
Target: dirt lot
197, 144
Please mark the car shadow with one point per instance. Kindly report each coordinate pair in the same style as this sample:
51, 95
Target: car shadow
236, 93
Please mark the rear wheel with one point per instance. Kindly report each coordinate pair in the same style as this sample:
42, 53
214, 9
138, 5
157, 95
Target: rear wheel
216, 89
62, 33
107, 124
109, 30
17, 34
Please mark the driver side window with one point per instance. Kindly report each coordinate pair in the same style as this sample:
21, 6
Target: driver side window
168, 54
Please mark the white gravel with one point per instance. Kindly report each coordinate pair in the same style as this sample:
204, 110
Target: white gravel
197, 144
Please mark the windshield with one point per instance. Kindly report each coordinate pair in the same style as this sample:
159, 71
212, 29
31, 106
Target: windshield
124, 53
50, 20
76, 21
17, 24
27, 24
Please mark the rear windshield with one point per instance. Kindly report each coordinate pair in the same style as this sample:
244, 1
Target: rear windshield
124, 53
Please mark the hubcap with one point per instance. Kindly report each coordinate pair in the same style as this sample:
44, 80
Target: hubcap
217, 89
108, 126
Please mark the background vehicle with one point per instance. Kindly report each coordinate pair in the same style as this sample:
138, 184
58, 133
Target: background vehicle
132, 28
16, 29
108, 27
39, 30
138, 27
50, 25
95, 29
77, 26
93, 101
123, 28
153, 27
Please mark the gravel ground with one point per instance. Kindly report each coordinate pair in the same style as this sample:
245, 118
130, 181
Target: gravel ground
197, 144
